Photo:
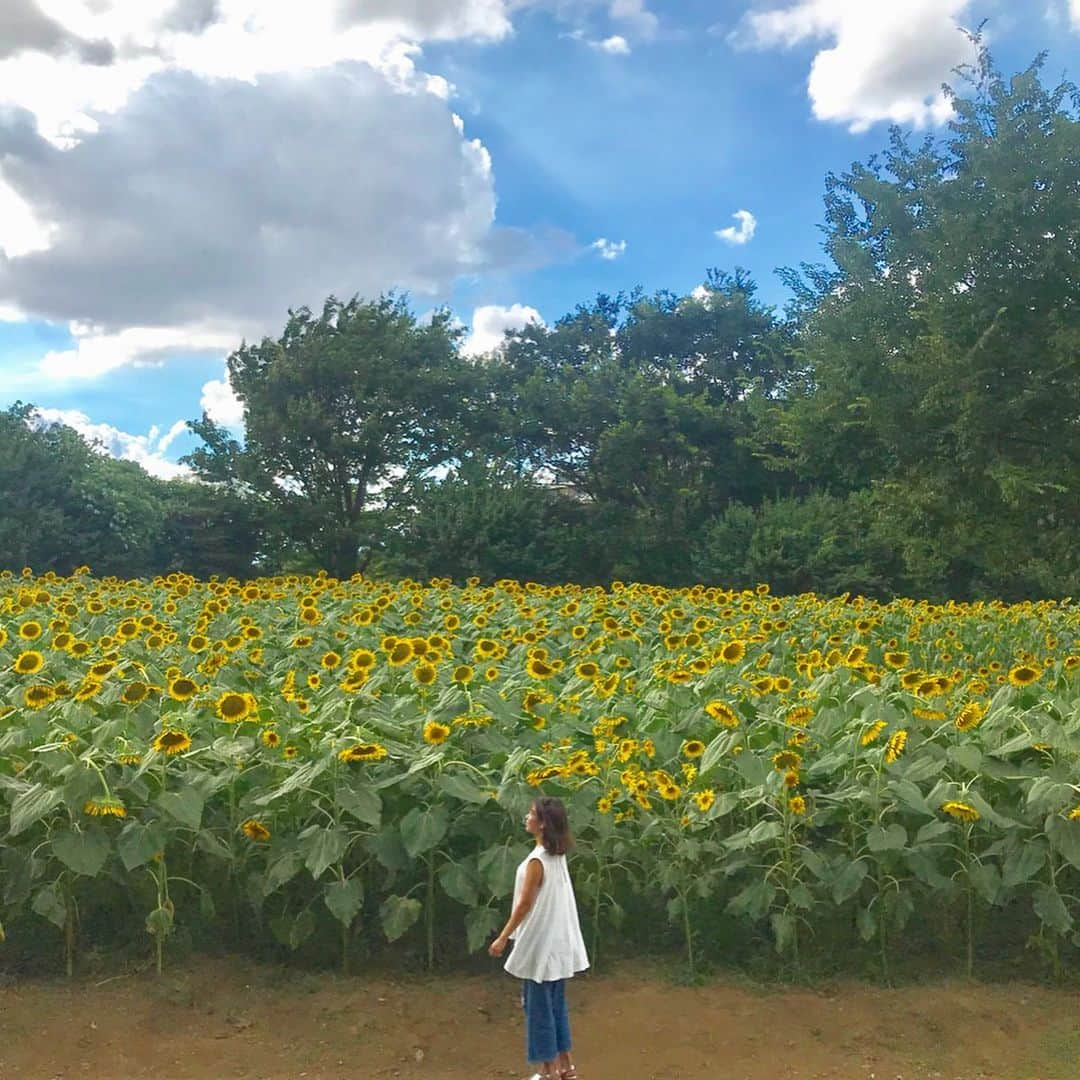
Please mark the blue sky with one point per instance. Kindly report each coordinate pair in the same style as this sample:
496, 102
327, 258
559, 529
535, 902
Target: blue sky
224, 163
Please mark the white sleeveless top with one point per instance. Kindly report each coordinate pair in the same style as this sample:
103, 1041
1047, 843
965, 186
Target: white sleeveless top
548, 944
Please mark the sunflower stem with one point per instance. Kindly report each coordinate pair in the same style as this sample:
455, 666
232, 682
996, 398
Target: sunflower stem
431, 913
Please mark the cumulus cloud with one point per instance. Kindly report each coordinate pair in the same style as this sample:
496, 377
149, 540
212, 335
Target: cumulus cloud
636, 15
886, 61
146, 450
741, 233
220, 403
616, 45
608, 249
239, 157
490, 324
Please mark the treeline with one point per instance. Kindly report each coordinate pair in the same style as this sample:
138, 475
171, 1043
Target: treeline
910, 424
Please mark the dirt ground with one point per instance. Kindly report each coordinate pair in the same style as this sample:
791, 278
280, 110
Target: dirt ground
218, 1020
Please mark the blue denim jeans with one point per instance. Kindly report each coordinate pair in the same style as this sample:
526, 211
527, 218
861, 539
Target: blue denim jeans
547, 1024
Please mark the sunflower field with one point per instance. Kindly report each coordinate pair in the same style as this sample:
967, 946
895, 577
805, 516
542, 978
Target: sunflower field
333, 765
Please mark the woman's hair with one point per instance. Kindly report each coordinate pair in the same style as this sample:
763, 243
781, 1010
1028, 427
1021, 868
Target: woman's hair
554, 827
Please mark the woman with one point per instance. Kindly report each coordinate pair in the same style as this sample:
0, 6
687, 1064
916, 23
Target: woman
548, 947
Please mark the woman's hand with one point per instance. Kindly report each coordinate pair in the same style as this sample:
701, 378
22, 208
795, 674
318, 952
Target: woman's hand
497, 947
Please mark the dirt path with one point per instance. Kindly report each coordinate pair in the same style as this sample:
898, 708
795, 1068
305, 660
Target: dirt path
226, 1020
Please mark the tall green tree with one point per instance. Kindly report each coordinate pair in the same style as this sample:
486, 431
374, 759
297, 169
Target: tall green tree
343, 406
941, 366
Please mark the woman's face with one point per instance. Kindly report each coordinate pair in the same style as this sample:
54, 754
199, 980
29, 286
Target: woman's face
532, 821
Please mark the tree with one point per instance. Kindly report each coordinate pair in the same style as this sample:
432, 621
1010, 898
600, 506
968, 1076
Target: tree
339, 408
941, 365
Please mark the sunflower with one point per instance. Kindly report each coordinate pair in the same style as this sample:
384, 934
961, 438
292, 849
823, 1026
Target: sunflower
255, 830
436, 733
540, 669
463, 674
363, 752
797, 804
182, 688
1074, 814
38, 696
1024, 675
934, 715
233, 707
704, 799
30, 630
104, 806
198, 643
289, 752
361, 660
897, 660
587, 669
722, 713
425, 673
401, 652
960, 810
270, 738
792, 778
693, 748
786, 760
330, 660
29, 663
604, 804
733, 652
134, 692
172, 741
801, 714
870, 735
87, 689
970, 716
895, 746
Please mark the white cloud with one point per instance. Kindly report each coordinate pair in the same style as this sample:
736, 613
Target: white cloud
191, 190
97, 351
220, 403
887, 59
146, 450
616, 45
635, 14
1074, 12
490, 324
743, 231
608, 249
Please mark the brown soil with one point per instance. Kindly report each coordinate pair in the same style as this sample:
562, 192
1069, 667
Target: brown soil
222, 1020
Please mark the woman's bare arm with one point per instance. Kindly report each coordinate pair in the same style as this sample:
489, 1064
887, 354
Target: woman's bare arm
534, 878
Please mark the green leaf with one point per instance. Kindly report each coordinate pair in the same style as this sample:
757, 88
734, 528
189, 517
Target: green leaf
908, 792
783, 926
931, 831
1051, 909
344, 899
397, 914
84, 852
480, 927
753, 901
848, 881
1046, 796
760, 833
1064, 837
458, 883
719, 746
293, 932
754, 770
138, 843
185, 805
497, 866
364, 803
423, 827
387, 847
299, 778
282, 870
968, 757
49, 903
892, 838
1023, 864
213, 845
462, 786
32, 805
985, 878
322, 847
866, 921
159, 922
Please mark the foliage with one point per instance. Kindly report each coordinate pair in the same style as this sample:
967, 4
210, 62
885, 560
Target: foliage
331, 763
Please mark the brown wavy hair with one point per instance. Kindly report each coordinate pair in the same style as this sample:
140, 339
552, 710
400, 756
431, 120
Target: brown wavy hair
554, 827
